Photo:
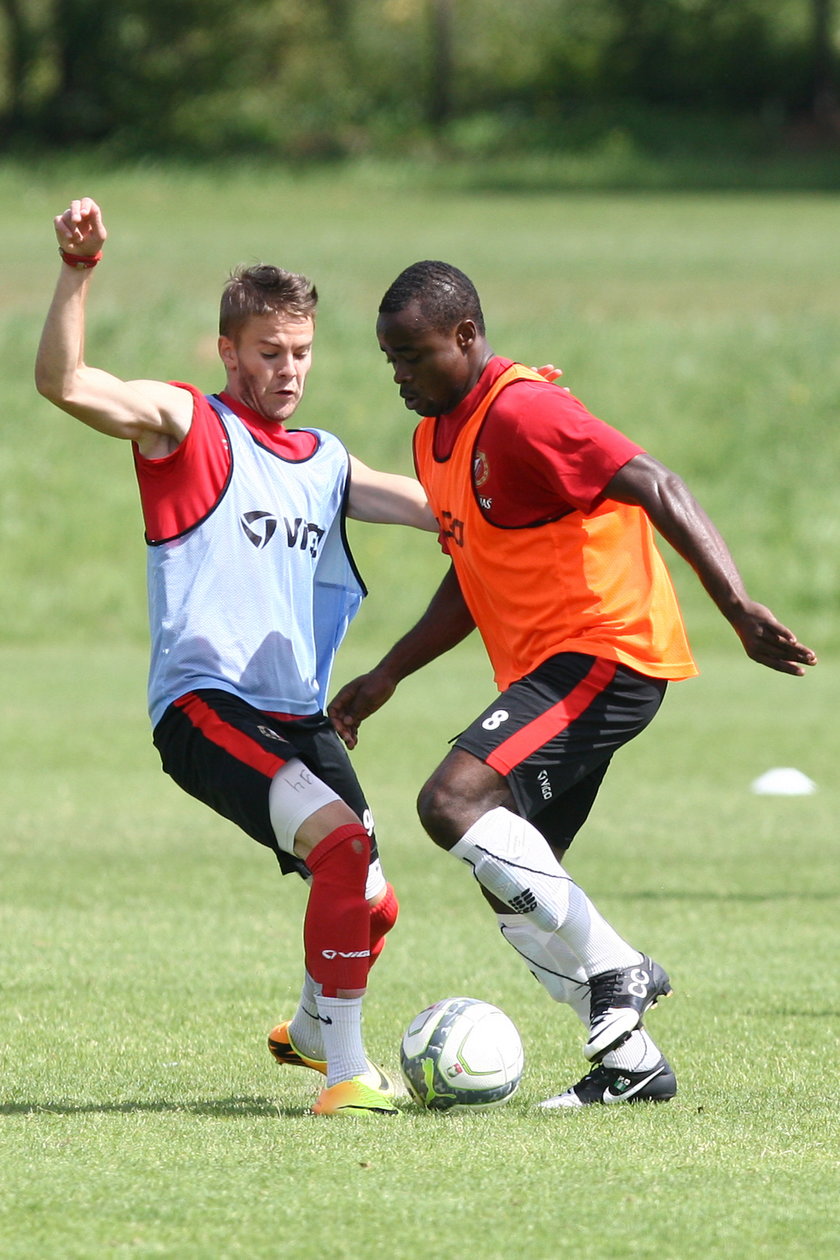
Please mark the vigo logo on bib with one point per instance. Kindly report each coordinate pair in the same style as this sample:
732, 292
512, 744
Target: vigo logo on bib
259, 527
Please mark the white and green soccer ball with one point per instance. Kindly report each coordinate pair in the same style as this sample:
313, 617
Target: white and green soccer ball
462, 1055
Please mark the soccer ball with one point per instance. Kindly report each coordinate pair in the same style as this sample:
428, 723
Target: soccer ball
461, 1054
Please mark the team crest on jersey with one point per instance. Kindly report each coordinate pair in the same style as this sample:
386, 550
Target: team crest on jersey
481, 469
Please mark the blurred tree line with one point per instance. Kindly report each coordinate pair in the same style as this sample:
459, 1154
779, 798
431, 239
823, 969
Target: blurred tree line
331, 77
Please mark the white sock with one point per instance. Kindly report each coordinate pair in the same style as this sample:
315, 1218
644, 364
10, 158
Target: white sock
639, 1053
341, 1025
512, 860
585, 933
549, 959
598, 946
305, 1026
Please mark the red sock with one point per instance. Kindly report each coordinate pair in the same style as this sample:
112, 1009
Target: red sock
383, 916
336, 927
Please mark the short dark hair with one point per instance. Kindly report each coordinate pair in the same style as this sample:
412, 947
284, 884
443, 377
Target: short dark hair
443, 293
263, 289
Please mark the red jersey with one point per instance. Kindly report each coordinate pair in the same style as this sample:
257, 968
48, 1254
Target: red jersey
181, 489
539, 455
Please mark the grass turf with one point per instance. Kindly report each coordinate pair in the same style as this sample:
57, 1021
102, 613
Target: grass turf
148, 949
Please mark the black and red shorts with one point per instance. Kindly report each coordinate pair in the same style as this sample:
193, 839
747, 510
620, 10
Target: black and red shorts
553, 732
224, 752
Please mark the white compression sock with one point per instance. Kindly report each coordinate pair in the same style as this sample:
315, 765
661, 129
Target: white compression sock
598, 946
305, 1026
549, 959
341, 1024
637, 1054
513, 861
552, 962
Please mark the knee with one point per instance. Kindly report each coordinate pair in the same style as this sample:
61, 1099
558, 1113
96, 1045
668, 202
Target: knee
436, 809
341, 860
458, 793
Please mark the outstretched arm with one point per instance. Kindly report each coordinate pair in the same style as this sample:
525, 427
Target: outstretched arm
387, 498
152, 413
682, 522
443, 625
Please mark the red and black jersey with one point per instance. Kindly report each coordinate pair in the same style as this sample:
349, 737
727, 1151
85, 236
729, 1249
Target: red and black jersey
181, 489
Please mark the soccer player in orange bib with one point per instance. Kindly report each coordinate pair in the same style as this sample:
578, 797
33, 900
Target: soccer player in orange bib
548, 516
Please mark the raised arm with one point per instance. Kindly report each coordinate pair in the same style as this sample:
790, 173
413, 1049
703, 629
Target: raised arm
678, 517
443, 625
152, 413
387, 498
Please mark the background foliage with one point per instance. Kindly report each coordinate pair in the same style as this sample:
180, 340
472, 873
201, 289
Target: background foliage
328, 78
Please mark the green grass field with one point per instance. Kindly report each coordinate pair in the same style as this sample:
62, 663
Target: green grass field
147, 947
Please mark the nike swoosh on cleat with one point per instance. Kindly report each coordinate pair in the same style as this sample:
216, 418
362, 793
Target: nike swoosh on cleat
613, 1095
385, 1085
376, 1079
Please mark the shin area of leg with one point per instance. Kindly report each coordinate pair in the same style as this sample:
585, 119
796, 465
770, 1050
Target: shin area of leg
513, 861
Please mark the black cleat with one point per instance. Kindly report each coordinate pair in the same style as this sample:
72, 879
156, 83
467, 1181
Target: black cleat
616, 1085
618, 1002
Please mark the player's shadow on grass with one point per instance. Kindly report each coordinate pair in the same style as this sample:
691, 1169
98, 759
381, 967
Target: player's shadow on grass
228, 1107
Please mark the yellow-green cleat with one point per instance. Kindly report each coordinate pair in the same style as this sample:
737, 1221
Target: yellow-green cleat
353, 1098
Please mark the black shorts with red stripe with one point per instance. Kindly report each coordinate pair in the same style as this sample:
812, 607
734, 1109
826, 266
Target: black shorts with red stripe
224, 752
552, 735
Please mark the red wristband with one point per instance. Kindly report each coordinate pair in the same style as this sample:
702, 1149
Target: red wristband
81, 262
